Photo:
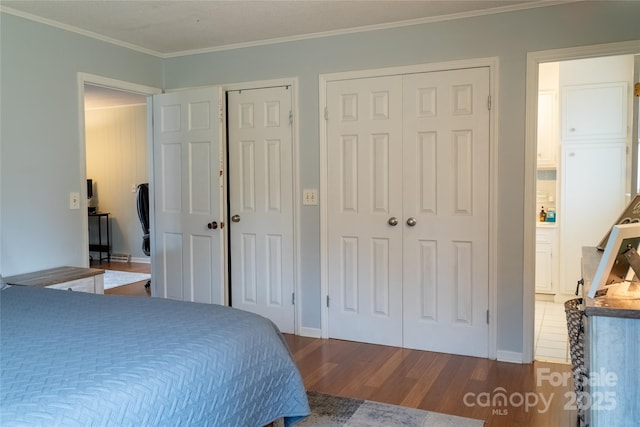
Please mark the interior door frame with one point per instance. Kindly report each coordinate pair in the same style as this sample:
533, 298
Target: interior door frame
490, 62
292, 82
121, 85
534, 59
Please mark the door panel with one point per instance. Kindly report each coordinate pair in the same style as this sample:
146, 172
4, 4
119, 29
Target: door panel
187, 196
261, 195
365, 190
446, 190
414, 148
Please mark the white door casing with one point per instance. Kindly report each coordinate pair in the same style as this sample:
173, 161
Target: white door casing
260, 146
188, 259
421, 152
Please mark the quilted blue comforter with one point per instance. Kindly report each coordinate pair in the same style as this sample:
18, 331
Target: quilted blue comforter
75, 359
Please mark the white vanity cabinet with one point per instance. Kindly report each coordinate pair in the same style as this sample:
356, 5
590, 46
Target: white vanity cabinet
595, 111
547, 130
546, 258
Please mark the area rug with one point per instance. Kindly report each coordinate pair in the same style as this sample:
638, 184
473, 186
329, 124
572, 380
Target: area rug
114, 278
333, 411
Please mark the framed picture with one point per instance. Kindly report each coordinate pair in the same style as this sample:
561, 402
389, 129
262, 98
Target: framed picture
630, 215
614, 267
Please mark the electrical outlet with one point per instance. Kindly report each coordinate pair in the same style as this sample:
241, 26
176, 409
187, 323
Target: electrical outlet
133, 188
74, 200
310, 196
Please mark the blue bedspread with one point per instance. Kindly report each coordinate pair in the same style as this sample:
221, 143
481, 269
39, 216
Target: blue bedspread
75, 359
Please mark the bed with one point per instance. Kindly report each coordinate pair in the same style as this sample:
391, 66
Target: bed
77, 359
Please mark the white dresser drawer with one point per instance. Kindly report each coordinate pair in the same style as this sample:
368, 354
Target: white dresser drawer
86, 284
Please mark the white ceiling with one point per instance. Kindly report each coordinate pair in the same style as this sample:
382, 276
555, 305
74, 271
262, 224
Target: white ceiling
170, 28
179, 27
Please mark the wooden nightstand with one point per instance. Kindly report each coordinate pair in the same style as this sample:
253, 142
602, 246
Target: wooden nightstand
77, 279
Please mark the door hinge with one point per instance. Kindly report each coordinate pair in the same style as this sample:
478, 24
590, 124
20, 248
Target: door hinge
487, 317
290, 118
220, 112
293, 298
326, 113
489, 102
327, 301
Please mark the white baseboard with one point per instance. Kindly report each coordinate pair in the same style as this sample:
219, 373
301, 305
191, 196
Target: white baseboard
310, 332
145, 260
509, 356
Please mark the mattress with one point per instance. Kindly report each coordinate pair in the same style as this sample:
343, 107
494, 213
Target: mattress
77, 359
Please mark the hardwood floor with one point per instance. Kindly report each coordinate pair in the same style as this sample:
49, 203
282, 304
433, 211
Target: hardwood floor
458, 385
500, 393
134, 289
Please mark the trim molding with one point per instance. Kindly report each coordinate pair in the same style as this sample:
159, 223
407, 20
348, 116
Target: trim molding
509, 356
374, 27
309, 332
534, 59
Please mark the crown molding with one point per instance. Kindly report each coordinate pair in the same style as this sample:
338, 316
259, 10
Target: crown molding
278, 40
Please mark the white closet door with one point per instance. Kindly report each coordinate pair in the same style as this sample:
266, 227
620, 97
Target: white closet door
261, 203
365, 192
408, 210
446, 192
187, 193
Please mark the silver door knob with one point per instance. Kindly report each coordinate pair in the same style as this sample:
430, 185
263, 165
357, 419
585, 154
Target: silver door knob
411, 222
235, 218
393, 221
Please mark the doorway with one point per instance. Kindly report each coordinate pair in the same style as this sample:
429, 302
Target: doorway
114, 148
546, 276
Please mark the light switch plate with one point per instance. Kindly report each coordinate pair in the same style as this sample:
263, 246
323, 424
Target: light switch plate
74, 200
310, 196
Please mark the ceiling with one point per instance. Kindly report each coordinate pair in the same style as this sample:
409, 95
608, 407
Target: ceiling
178, 27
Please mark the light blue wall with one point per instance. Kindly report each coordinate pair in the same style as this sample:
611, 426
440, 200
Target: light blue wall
508, 36
39, 152
39, 137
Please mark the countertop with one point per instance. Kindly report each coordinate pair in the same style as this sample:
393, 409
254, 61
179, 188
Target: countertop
53, 276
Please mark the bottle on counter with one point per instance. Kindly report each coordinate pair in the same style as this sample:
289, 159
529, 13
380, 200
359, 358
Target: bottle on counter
543, 215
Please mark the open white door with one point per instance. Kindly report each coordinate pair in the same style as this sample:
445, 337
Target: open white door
187, 191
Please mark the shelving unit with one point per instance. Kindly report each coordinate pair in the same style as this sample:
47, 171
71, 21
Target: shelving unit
102, 246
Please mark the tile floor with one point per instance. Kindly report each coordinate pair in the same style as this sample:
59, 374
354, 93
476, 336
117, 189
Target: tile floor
551, 336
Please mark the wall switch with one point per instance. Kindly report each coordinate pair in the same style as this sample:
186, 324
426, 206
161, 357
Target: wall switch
74, 200
310, 196
133, 188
